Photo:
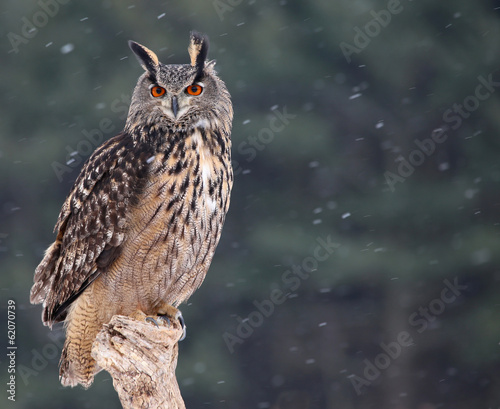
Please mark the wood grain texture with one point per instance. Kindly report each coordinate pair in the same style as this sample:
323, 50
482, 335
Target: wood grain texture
141, 359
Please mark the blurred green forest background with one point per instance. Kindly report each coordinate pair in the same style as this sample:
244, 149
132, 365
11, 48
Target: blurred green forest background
369, 126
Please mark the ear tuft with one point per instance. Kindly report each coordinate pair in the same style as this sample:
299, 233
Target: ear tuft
198, 50
146, 57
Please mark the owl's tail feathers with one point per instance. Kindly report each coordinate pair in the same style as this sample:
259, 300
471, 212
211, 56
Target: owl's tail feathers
77, 365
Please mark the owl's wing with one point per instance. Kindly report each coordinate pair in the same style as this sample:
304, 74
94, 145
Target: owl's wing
91, 226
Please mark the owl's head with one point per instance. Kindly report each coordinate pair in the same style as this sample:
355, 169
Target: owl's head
179, 96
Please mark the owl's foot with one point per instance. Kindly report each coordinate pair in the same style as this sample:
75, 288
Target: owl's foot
177, 316
166, 313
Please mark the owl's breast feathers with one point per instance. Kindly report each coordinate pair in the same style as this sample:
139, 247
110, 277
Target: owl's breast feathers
150, 201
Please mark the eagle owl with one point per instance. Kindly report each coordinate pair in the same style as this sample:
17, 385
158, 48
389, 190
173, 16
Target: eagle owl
138, 230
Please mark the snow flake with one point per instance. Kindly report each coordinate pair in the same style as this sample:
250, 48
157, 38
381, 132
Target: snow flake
443, 166
67, 48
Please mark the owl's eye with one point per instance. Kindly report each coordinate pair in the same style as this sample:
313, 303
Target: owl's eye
158, 91
194, 89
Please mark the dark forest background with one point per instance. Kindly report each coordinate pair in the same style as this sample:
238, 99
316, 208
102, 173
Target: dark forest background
359, 263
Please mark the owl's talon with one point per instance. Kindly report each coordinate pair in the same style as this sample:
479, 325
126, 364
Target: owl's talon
178, 316
183, 325
165, 318
151, 319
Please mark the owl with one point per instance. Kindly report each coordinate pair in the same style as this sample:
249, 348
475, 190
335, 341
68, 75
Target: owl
138, 230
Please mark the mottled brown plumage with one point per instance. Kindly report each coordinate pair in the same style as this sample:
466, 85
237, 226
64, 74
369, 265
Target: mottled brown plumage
139, 228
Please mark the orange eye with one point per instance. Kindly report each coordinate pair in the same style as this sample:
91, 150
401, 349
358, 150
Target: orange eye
158, 91
194, 89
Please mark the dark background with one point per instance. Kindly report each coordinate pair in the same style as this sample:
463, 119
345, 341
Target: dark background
364, 96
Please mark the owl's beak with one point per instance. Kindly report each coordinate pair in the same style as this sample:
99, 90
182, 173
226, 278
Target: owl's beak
175, 106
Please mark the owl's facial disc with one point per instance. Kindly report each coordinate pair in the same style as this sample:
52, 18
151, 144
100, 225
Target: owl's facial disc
176, 104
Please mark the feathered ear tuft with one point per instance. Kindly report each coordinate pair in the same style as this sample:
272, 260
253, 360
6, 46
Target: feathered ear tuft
198, 50
146, 57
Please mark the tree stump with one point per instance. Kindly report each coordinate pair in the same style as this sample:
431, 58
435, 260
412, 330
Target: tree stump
141, 359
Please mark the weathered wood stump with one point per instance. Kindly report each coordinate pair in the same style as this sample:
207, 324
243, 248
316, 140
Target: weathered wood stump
141, 359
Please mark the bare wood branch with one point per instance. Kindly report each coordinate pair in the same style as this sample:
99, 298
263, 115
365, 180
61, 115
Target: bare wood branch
141, 359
